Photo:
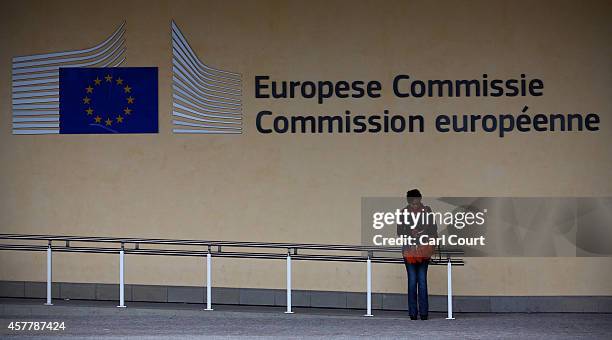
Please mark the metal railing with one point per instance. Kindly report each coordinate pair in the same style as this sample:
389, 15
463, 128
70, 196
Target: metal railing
209, 249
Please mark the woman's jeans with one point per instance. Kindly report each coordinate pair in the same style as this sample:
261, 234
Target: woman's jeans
417, 282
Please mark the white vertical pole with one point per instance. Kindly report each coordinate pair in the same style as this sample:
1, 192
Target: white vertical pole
121, 278
289, 282
369, 286
208, 281
449, 275
49, 274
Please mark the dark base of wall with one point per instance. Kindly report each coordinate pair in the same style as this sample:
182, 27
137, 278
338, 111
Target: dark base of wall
305, 298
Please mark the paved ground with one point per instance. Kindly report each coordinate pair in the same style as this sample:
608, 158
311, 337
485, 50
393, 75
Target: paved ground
90, 319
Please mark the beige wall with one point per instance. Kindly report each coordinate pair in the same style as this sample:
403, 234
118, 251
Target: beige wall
307, 188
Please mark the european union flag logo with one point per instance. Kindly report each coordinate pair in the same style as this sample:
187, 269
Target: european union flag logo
108, 100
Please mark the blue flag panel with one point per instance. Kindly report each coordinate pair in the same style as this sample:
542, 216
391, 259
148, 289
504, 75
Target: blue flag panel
108, 100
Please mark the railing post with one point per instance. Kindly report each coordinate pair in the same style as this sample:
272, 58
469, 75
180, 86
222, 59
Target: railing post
208, 280
49, 274
289, 282
121, 278
449, 275
369, 285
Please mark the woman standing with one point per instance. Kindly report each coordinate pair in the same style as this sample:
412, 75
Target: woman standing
416, 257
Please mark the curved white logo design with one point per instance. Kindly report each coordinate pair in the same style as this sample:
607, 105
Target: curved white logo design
204, 99
35, 87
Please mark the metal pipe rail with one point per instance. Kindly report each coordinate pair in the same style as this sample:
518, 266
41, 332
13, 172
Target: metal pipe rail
294, 251
213, 243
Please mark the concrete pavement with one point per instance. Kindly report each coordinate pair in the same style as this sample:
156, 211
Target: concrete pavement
94, 319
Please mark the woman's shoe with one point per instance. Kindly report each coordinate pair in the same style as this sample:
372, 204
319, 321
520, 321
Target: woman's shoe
413, 317
423, 317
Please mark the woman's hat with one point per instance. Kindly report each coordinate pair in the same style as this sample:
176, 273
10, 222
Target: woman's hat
413, 193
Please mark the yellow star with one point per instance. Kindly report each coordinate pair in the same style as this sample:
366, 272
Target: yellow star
86, 100
89, 111
108, 78
119, 119
89, 89
119, 81
127, 89
98, 119
127, 110
109, 122
130, 100
97, 81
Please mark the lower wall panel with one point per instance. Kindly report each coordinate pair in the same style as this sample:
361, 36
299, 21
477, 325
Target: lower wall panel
304, 298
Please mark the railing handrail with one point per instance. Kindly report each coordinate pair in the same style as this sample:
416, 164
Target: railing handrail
209, 251
232, 254
211, 243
